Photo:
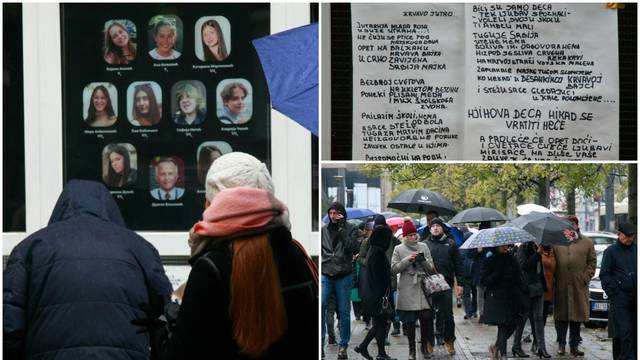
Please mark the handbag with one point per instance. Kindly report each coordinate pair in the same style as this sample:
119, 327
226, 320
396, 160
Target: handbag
386, 309
435, 283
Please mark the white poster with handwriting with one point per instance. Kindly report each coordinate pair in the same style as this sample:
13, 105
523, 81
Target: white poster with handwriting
542, 82
408, 96
485, 82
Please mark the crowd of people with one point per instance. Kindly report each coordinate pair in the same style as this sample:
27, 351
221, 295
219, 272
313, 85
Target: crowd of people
503, 286
86, 287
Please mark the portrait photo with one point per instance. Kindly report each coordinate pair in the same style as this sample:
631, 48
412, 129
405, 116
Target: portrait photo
164, 36
188, 102
166, 178
144, 103
119, 42
100, 104
234, 104
119, 165
208, 152
212, 38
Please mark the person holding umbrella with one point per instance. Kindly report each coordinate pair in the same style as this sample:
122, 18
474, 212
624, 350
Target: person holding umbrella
530, 260
448, 262
575, 266
503, 303
412, 260
619, 280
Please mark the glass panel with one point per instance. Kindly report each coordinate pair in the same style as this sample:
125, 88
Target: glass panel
154, 93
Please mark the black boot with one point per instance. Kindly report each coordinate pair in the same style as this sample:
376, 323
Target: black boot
576, 352
410, 331
362, 350
518, 352
542, 353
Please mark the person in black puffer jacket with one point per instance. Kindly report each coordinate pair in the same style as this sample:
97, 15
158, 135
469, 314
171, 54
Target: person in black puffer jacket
72, 288
448, 262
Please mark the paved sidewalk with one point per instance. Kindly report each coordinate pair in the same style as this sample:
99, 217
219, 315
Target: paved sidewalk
473, 340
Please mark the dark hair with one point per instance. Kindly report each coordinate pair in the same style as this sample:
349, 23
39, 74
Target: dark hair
204, 161
112, 53
222, 48
154, 111
113, 178
227, 91
573, 219
91, 114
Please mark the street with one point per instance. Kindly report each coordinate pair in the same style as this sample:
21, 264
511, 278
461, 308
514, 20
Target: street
473, 339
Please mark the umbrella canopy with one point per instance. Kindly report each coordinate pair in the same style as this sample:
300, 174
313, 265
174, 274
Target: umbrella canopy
524, 209
395, 221
422, 201
503, 235
547, 228
478, 214
390, 214
354, 213
290, 63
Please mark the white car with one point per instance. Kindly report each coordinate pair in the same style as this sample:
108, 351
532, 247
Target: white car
601, 239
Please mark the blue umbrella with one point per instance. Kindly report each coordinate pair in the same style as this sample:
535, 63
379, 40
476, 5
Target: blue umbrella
354, 213
290, 63
503, 235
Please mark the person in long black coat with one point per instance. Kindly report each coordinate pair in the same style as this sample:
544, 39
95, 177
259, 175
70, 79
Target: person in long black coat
72, 288
503, 296
378, 285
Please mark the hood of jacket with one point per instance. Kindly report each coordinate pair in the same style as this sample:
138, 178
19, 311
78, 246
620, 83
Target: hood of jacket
84, 197
381, 237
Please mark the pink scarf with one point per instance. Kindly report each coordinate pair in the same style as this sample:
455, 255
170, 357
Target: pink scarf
241, 209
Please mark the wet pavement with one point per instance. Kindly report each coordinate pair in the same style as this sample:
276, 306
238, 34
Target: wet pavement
473, 340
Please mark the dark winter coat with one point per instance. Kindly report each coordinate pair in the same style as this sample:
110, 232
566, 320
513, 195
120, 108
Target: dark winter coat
204, 329
473, 263
378, 269
530, 263
446, 258
503, 294
339, 244
72, 288
618, 270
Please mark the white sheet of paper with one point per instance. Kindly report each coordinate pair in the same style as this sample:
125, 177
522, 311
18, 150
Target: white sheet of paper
542, 82
408, 84
485, 82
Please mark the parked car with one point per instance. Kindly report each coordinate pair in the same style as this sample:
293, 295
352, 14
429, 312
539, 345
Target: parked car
601, 239
598, 300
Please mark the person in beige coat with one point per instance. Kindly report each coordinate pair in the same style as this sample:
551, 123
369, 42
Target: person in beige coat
412, 260
575, 266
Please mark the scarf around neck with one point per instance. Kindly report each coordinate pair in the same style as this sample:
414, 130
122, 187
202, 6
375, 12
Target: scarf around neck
237, 211
412, 245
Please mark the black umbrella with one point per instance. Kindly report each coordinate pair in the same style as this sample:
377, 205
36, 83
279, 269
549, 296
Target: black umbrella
547, 228
421, 201
478, 214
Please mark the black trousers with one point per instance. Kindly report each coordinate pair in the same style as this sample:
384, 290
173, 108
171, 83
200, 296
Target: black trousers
624, 317
574, 332
504, 332
377, 331
445, 326
470, 299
